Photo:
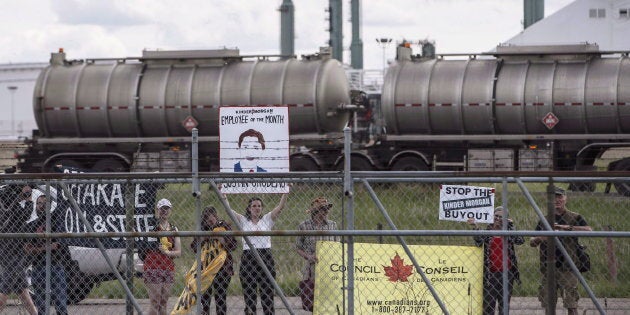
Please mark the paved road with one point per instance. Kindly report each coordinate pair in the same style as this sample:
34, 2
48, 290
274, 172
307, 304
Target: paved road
519, 306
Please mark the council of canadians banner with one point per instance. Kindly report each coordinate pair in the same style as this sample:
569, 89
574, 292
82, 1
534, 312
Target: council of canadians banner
386, 281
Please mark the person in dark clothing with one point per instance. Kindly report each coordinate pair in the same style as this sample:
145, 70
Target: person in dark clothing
493, 262
60, 255
13, 261
219, 287
566, 280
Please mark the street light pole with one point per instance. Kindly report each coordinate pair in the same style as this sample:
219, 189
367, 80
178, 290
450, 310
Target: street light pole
12, 90
384, 42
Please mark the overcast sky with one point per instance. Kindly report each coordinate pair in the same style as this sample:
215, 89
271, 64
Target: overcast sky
31, 29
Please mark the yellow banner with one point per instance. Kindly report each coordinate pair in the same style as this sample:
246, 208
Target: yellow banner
213, 256
386, 281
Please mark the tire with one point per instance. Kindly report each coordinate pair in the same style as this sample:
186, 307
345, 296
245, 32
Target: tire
109, 166
357, 163
623, 188
66, 163
303, 164
410, 164
79, 284
587, 187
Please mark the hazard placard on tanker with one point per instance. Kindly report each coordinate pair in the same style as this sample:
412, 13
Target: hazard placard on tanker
460, 203
254, 140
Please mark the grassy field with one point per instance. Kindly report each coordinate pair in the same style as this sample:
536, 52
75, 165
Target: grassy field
414, 207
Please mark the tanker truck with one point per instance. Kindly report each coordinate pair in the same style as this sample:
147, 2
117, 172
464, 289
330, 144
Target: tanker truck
522, 108
526, 108
131, 114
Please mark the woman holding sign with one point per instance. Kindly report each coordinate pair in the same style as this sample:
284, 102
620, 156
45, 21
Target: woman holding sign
251, 274
493, 262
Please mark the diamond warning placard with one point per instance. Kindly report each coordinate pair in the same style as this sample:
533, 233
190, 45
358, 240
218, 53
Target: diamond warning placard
550, 120
189, 123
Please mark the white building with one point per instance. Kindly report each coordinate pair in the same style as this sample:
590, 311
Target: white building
603, 22
17, 82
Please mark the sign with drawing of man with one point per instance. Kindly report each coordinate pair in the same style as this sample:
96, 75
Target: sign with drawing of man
254, 140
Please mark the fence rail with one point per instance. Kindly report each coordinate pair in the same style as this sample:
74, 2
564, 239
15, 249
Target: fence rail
386, 224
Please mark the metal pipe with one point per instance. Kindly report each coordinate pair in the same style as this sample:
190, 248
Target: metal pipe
504, 251
196, 193
292, 233
348, 190
287, 28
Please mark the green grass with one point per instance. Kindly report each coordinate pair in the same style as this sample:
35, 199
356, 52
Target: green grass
413, 206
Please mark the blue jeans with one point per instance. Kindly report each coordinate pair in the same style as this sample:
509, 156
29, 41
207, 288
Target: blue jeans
58, 288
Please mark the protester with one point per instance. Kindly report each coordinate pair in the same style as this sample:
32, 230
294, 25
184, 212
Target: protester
219, 287
159, 267
251, 274
305, 246
13, 260
493, 262
60, 254
567, 281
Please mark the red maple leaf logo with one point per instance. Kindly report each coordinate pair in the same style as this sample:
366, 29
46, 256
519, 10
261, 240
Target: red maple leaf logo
398, 271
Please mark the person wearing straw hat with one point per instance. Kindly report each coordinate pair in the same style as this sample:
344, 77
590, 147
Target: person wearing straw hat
306, 245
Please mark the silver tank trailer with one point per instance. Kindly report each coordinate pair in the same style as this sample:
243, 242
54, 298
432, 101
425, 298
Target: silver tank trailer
588, 94
151, 96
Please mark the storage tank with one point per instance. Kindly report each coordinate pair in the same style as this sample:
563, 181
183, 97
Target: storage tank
152, 95
509, 94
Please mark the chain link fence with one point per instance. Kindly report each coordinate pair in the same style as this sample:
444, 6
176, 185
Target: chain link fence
372, 245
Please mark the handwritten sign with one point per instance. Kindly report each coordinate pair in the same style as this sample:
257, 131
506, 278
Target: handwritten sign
254, 140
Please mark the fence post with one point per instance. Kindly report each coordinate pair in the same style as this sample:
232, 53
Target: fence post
550, 264
196, 193
348, 191
504, 250
130, 209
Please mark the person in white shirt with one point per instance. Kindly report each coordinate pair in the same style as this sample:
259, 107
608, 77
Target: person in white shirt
252, 276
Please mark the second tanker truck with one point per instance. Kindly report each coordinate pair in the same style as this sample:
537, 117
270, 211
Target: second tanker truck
515, 109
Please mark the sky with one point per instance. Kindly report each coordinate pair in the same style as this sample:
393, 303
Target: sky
31, 29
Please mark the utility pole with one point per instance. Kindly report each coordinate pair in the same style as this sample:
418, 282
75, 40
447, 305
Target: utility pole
384, 42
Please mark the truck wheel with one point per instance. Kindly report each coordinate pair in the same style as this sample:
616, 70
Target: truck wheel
78, 291
623, 188
410, 164
79, 284
64, 162
581, 186
303, 164
109, 165
357, 163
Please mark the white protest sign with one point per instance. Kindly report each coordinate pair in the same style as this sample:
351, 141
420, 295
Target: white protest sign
460, 203
254, 140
